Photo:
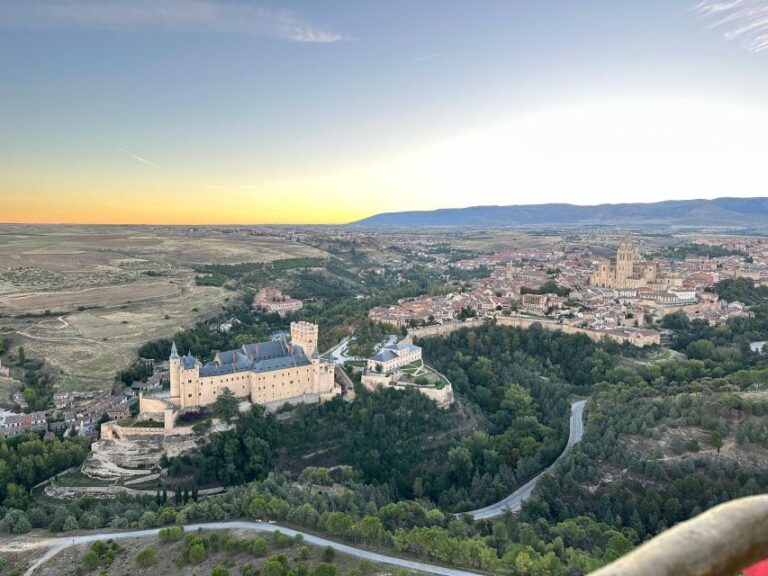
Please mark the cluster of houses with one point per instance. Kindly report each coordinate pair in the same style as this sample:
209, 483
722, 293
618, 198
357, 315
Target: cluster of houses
83, 419
616, 298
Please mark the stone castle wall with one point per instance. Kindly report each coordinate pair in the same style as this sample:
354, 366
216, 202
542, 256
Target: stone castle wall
114, 431
443, 396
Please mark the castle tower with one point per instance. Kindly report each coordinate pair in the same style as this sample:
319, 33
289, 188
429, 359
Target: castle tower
175, 370
304, 334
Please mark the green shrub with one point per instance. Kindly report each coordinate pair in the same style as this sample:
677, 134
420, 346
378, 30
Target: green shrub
90, 560
146, 557
325, 569
70, 523
258, 547
16, 522
171, 534
275, 568
281, 540
196, 553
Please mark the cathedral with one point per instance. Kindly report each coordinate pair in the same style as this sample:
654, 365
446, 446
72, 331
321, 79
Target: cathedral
263, 372
629, 270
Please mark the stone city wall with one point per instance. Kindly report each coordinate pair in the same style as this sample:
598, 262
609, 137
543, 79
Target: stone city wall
514, 322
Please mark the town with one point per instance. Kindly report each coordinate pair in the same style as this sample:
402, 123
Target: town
575, 287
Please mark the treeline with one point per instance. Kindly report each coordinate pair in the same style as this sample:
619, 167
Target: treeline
726, 346
742, 290
549, 287
252, 272
26, 460
694, 250
359, 513
138, 372
38, 382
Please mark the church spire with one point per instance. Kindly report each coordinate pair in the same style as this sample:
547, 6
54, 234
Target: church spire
174, 353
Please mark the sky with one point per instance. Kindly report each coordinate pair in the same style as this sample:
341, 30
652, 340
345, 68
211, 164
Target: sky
327, 111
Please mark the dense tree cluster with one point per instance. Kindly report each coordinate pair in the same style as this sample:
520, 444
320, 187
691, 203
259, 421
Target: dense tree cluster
742, 290
694, 250
549, 287
38, 382
26, 460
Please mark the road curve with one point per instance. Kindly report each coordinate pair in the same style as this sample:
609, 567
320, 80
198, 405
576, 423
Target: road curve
60, 544
514, 501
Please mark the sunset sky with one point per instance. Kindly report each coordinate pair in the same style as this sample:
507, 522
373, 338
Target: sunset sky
224, 111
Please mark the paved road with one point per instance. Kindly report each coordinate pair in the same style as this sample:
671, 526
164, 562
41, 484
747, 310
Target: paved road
59, 544
514, 501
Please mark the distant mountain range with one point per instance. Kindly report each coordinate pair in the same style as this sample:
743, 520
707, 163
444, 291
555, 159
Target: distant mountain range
720, 212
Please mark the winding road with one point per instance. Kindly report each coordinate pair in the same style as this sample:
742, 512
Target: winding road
64, 543
514, 501
511, 503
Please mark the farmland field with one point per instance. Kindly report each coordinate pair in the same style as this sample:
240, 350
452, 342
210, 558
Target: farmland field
85, 298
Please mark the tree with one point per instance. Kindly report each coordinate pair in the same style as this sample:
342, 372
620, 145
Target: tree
196, 553
90, 560
325, 569
16, 497
146, 557
225, 406
16, 522
70, 523
275, 568
371, 529
219, 570
716, 439
338, 523
329, 554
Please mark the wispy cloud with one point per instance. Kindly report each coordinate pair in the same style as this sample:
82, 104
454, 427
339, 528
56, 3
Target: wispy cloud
427, 57
222, 16
742, 20
138, 158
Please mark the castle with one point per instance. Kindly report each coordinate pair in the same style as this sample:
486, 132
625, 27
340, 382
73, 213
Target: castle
263, 373
628, 271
